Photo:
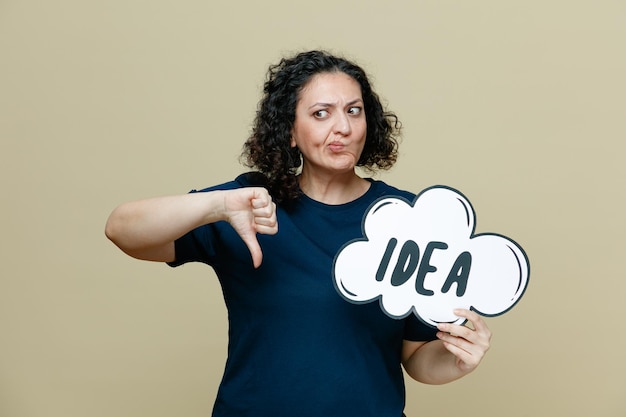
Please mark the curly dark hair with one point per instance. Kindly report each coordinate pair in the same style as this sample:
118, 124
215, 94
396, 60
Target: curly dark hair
268, 147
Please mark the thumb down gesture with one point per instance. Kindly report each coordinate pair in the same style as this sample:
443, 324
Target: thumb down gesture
250, 211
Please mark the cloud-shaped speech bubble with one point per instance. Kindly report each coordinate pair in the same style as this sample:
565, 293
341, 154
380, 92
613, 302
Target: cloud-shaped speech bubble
425, 258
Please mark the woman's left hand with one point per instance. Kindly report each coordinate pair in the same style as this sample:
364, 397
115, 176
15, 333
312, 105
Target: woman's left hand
467, 343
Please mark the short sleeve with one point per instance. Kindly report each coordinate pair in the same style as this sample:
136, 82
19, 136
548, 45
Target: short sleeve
199, 245
195, 246
417, 331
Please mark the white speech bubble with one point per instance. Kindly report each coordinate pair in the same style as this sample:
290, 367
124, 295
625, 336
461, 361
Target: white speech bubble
425, 258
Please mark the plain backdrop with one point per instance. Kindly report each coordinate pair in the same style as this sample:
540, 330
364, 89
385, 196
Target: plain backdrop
518, 104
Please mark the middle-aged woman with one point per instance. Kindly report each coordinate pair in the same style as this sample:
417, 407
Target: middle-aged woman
296, 347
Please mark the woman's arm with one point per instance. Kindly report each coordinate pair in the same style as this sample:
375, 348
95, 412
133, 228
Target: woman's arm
457, 352
147, 229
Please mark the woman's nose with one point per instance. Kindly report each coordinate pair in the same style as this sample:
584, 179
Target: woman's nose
342, 124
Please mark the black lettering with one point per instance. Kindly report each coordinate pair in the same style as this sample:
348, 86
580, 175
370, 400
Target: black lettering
407, 263
384, 263
426, 267
459, 274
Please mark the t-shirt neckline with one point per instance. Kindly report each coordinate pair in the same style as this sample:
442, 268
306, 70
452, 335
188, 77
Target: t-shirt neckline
305, 199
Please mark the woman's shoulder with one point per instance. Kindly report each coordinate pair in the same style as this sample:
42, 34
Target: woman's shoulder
252, 179
248, 179
382, 189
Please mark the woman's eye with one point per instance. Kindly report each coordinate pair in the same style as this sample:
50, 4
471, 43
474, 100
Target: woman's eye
320, 114
355, 110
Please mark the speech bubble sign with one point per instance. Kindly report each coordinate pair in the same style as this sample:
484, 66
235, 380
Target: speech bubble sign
424, 258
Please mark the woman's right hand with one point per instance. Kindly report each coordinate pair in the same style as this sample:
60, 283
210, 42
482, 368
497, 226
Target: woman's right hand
146, 229
250, 211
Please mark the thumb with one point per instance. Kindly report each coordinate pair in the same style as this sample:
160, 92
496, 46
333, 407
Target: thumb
255, 249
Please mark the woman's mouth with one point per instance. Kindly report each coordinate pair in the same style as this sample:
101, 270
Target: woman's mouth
336, 146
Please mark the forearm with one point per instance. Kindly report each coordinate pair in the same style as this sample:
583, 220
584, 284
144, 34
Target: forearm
143, 228
457, 352
433, 364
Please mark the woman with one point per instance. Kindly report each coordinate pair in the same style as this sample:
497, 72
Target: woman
296, 347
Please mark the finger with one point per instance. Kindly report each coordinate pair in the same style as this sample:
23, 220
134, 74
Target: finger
267, 213
458, 352
260, 198
261, 205
467, 353
267, 209
267, 230
465, 360
266, 225
459, 342
463, 337
467, 314
255, 250
475, 320
265, 219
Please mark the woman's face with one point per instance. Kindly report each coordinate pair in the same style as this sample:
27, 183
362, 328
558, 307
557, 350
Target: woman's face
330, 125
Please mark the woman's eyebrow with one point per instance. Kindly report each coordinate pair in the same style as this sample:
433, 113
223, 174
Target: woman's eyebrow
324, 104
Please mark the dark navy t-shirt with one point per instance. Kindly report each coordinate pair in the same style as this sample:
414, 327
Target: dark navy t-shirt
296, 347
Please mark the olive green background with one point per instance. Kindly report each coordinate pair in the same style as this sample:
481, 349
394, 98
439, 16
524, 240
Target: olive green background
519, 104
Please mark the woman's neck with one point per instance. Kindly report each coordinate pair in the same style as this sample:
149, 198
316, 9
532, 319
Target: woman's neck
335, 189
